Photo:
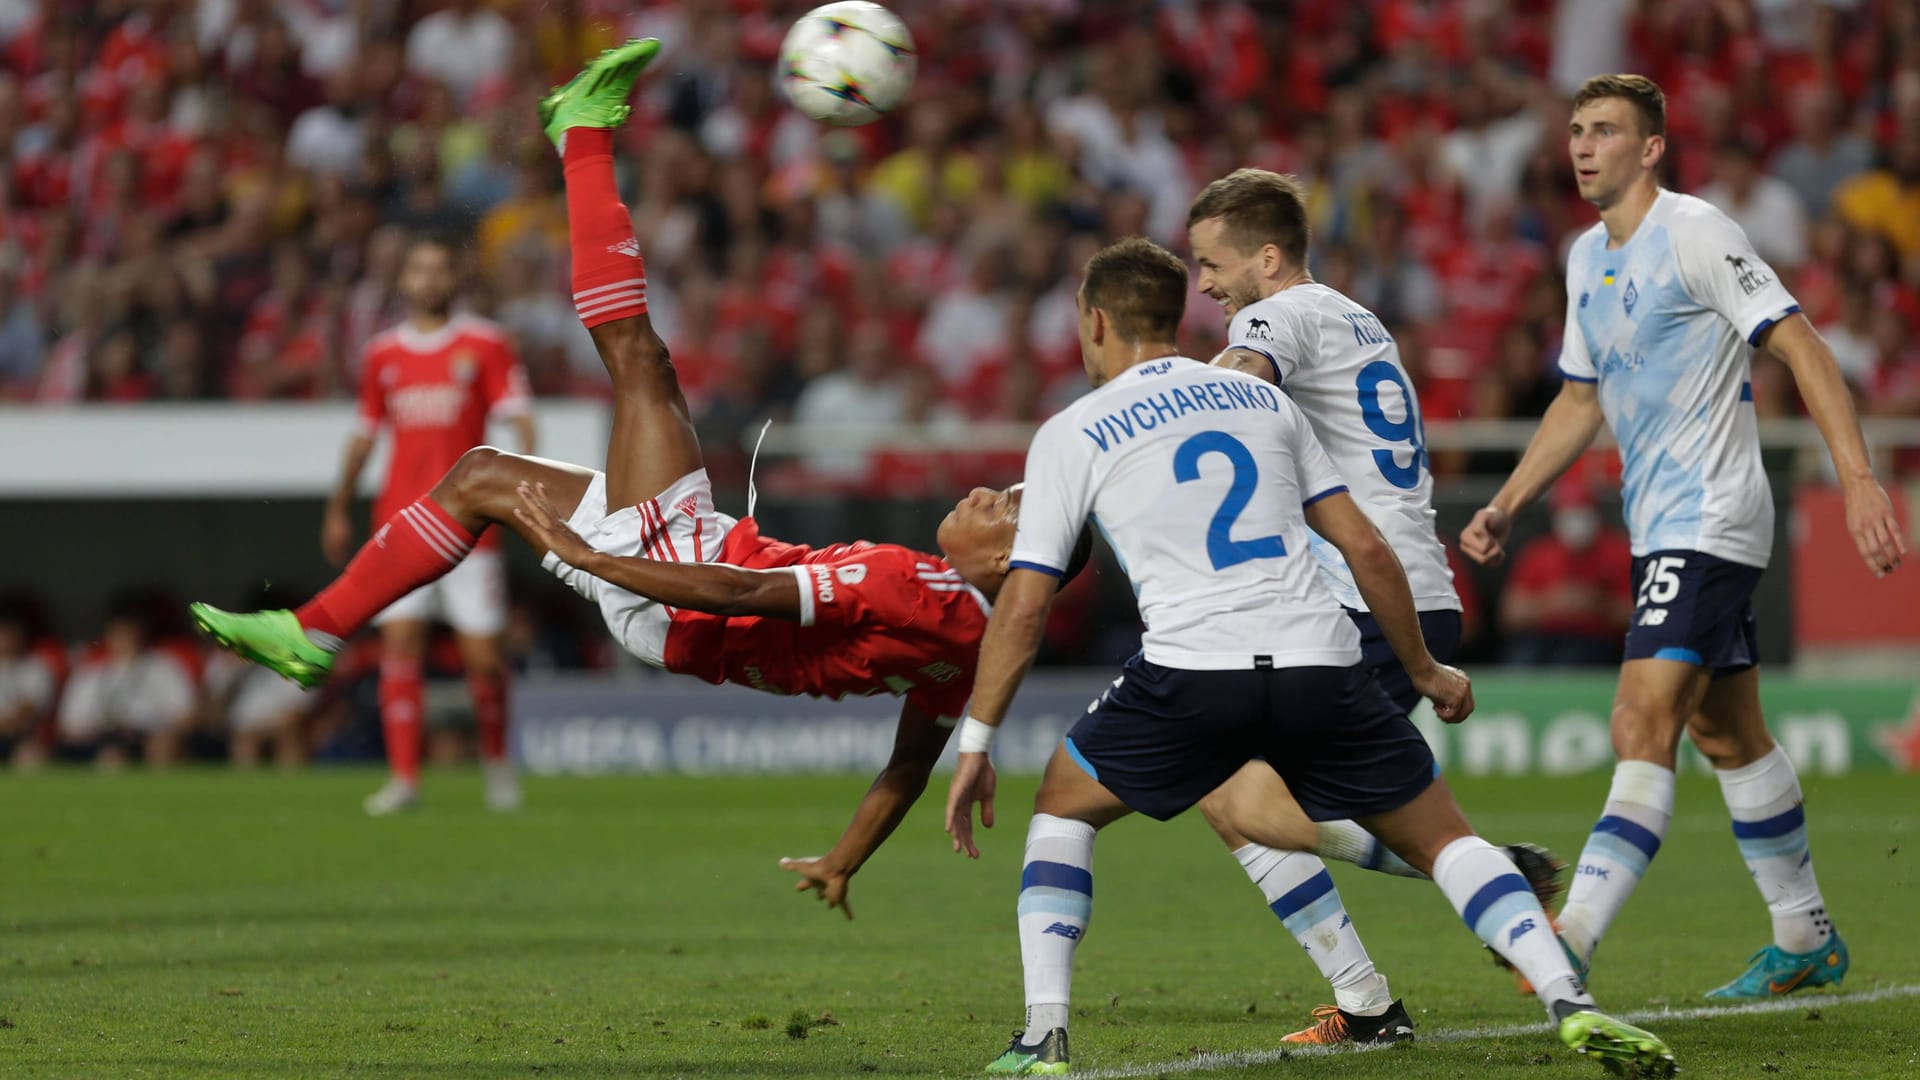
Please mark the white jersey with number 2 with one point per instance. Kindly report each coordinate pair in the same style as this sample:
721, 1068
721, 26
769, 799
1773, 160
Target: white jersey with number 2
1198, 476
1340, 365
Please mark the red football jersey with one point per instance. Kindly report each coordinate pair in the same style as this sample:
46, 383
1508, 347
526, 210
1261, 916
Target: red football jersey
437, 392
875, 619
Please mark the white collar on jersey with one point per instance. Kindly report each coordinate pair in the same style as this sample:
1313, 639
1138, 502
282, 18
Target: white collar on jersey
421, 341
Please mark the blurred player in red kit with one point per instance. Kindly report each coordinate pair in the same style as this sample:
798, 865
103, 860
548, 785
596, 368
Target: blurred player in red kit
435, 380
680, 585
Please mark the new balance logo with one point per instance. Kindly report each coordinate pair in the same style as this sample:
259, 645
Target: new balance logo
1600, 872
630, 247
1654, 617
1345, 920
1071, 933
1519, 931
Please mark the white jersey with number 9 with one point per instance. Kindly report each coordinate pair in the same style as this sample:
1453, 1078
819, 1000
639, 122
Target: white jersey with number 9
1198, 477
1337, 361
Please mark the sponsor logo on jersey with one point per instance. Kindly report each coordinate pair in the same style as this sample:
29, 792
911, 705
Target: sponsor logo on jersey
1259, 330
427, 405
463, 366
1751, 278
942, 672
1630, 297
1654, 617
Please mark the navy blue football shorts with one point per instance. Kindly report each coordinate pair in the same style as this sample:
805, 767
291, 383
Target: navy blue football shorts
1694, 608
1162, 738
1440, 628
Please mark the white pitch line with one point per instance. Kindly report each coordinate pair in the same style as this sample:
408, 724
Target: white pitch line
1241, 1059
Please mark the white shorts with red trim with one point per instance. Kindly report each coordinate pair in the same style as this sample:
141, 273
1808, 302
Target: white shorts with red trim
471, 598
678, 525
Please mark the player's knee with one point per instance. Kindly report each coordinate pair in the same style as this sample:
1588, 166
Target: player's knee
1643, 731
1214, 808
1728, 747
479, 475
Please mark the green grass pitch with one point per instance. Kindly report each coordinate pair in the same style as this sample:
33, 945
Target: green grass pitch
214, 924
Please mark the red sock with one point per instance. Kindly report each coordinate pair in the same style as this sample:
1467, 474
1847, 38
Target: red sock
402, 695
609, 277
415, 546
489, 694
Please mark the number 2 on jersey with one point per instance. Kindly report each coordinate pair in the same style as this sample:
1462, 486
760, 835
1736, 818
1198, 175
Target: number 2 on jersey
1222, 548
1406, 431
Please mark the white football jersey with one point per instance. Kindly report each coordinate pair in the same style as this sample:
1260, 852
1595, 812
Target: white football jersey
1339, 364
1197, 476
1665, 324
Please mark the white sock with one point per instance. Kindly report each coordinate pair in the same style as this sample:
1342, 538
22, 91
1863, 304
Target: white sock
1622, 843
1300, 891
1056, 901
1493, 897
1764, 799
1346, 841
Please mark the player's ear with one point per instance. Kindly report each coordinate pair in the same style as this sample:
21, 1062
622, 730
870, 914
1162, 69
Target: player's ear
1655, 149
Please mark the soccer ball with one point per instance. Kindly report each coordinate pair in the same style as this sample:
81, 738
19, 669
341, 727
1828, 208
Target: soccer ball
847, 64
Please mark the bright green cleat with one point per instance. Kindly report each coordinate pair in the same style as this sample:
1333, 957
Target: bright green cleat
1777, 973
272, 639
1624, 1050
1048, 1057
597, 97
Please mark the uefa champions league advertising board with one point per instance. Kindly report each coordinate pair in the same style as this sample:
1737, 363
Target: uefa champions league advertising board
1526, 724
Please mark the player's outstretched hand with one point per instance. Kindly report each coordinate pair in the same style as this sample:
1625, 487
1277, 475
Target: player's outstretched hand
1450, 691
549, 526
1484, 540
1875, 529
824, 878
973, 782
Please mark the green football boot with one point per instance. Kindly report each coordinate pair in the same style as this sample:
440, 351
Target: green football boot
1048, 1057
1624, 1050
272, 639
597, 97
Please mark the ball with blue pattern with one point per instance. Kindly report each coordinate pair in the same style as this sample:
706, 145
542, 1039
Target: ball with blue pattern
847, 64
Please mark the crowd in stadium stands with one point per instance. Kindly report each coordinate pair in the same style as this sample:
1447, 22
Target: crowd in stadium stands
207, 199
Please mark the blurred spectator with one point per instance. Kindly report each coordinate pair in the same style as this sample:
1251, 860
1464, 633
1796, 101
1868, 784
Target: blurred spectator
1765, 206
264, 714
462, 45
867, 394
22, 340
1887, 200
127, 697
27, 684
1570, 594
1824, 153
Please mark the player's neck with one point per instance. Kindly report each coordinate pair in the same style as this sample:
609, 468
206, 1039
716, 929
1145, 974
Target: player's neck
1125, 356
1623, 218
427, 322
1282, 284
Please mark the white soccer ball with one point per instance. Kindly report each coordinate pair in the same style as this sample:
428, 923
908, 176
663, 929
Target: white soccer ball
848, 63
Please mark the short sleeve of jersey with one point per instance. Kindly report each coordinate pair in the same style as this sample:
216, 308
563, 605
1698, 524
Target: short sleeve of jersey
1721, 270
504, 382
1576, 362
1312, 465
373, 393
1057, 499
869, 586
1272, 332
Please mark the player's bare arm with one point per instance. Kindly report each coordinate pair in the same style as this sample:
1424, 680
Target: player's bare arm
1568, 428
715, 588
1383, 584
1006, 652
1870, 517
917, 743
336, 523
1237, 358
